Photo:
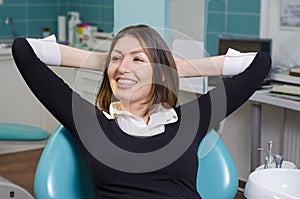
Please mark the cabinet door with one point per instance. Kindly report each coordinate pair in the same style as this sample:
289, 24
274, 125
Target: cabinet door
17, 103
87, 84
154, 13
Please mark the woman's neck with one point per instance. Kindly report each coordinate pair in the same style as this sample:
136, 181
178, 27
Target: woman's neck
137, 109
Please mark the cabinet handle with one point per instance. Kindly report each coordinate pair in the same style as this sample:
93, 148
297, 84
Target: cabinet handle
4, 58
90, 80
89, 93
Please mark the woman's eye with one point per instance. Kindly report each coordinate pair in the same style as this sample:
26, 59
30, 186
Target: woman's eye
138, 59
115, 58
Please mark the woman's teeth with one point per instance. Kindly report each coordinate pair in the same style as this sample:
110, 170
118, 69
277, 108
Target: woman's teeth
126, 82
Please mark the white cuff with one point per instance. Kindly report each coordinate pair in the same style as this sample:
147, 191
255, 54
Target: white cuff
46, 49
236, 62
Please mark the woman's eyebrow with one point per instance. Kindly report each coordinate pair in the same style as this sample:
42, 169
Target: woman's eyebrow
131, 52
137, 51
117, 51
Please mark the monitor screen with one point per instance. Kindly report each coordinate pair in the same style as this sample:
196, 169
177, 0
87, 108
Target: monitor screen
244, 44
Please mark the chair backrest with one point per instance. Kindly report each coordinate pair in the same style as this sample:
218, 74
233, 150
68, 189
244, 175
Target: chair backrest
22, 133
62, 172
217, 176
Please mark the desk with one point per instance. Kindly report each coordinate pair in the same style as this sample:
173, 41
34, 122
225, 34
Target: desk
258, 98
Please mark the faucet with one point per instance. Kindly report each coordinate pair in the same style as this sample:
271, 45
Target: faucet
10, 21
270, 157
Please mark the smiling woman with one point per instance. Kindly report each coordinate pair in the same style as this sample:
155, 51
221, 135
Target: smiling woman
137, 139
130, 75
131, 66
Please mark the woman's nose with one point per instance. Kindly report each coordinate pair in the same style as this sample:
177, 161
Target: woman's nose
125, 66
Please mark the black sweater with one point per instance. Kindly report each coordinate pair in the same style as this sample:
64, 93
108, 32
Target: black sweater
156, 176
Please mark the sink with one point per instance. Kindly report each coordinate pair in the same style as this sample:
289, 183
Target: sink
273, 183
285, 165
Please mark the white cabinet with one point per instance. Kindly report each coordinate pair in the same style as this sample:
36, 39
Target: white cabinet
87, 84
17, 103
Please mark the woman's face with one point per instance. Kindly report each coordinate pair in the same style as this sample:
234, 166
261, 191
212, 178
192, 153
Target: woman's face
130, 71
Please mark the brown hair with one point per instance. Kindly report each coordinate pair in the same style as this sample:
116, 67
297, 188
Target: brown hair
165, 77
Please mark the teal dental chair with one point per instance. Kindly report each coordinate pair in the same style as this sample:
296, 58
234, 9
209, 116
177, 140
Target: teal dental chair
12, 132
62, 174
217, 176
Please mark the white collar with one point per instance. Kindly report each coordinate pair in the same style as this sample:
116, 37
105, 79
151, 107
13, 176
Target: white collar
136, 126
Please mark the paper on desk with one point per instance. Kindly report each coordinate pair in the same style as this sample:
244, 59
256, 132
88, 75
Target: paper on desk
286, 89
295, 72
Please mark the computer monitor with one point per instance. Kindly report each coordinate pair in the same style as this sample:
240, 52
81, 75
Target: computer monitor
244, 44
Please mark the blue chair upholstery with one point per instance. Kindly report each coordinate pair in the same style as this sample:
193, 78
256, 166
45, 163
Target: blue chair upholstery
62, 172
20, 132
217, 176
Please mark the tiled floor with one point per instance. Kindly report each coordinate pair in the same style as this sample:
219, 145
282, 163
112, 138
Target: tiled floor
20, 168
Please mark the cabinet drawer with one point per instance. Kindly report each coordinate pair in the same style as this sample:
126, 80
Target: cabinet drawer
87, 92
6, 56
88, 77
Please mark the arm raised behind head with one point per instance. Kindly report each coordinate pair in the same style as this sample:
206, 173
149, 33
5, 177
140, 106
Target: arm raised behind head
233, 63
52, 53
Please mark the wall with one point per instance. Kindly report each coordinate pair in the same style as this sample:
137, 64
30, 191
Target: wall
242, 18
157, 15
285, 50
96, 12
187, 17
30, 16
236, 134
286, 41
238, 18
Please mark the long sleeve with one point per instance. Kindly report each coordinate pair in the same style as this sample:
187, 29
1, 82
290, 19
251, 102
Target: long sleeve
241, 87
231, 93
60, 100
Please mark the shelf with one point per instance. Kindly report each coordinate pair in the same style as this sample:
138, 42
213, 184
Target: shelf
285, 78
266, 98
